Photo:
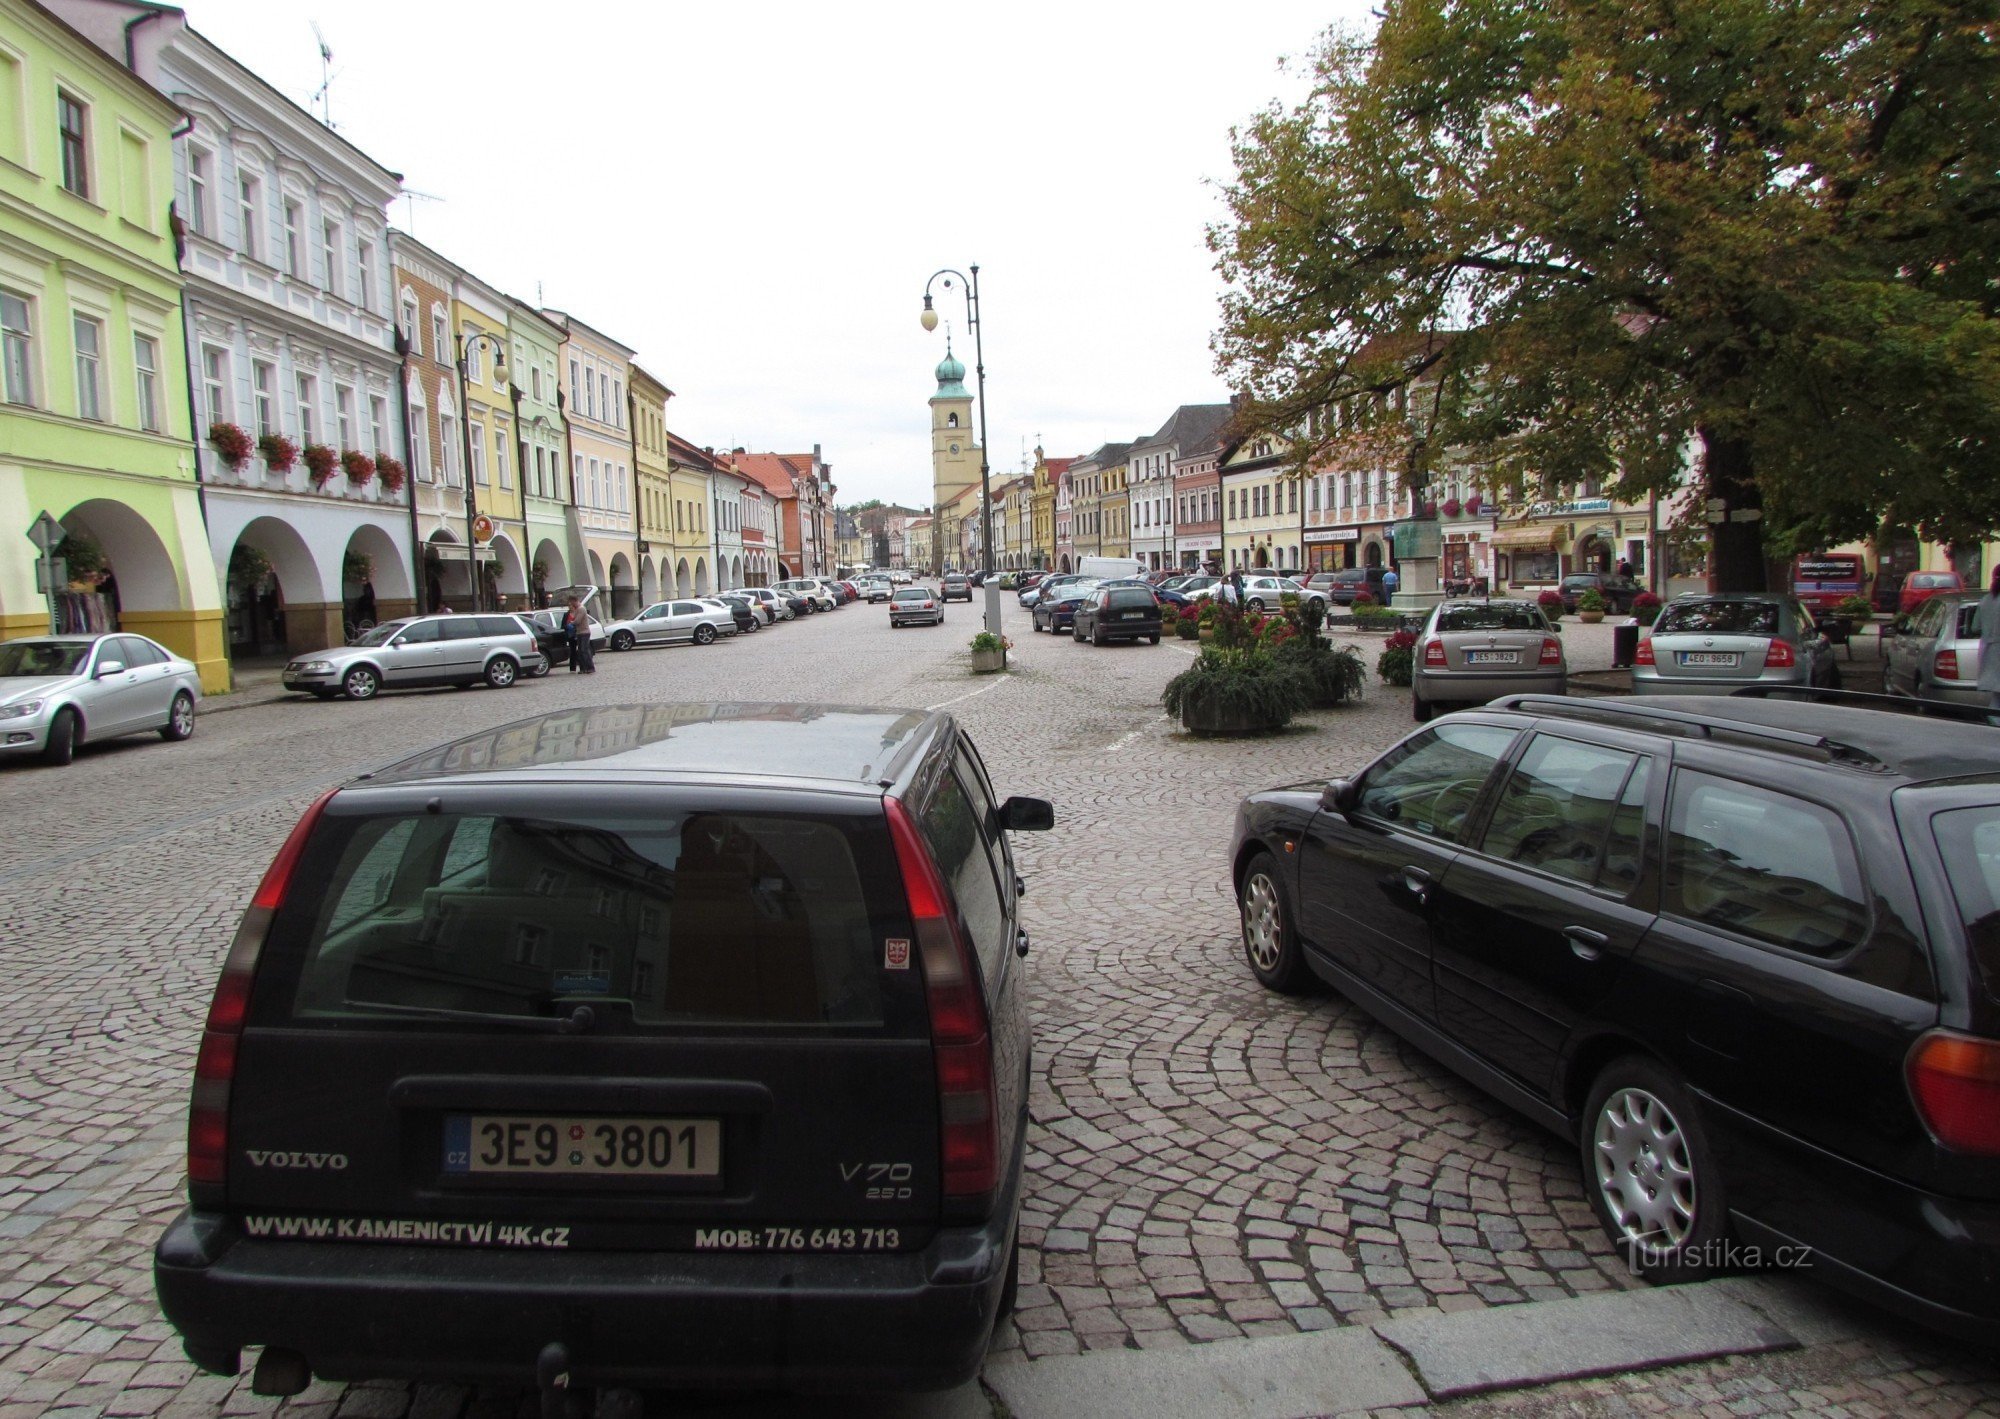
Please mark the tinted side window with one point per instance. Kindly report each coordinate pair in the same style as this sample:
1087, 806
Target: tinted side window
951, 823
420, 633
139, 652
686, 608
499, 626
1556, 808
460, 628
1764, 864
1429, 783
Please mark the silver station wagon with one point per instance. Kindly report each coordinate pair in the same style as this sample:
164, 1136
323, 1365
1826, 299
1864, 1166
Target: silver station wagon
493, 648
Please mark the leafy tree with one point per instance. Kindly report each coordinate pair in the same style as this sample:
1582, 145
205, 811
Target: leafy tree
1588, 235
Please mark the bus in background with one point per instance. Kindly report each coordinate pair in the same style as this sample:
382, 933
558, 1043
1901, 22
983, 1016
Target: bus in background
1825, 579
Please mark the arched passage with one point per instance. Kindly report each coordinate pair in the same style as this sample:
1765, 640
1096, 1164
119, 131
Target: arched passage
735, 571
550, 572
134, 574
701, 576
510, 575
649, 582
624, 587
683, 579
269, 564
374, 578
447, 580
597, 571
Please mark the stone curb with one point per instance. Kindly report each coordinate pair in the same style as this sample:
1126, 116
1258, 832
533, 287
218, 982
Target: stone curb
1423, 1359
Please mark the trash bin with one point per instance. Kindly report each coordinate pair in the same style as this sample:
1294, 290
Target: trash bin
1624, 645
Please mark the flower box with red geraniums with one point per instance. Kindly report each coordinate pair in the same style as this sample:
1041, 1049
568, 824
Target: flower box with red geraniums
391, 471
232, 443
1453, 507
321, 463
279, 452
359, 467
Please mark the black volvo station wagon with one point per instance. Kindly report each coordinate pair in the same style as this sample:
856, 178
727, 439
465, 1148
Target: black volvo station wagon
564, 1053
1745, 953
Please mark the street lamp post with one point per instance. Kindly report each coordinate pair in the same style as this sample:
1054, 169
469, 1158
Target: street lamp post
930, 320
466, 345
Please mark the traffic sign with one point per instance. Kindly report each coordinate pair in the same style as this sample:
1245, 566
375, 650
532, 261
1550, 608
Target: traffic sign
482, 528
45, 532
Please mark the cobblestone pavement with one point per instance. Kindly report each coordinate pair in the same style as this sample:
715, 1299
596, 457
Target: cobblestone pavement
1207, 1160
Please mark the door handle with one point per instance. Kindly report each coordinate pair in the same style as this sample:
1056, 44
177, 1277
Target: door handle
1021, 944
1417, 882
1020, 887
1587, 944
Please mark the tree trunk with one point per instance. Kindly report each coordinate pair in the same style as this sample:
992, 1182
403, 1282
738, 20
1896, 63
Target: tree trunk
1736, 544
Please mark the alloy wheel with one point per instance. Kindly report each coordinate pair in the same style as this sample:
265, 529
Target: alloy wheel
1644, 1172
1263, 922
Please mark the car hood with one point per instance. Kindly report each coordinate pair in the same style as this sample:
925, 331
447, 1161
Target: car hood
14, 689
338, 654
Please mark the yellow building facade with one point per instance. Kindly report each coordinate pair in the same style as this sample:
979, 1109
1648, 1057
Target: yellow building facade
654, 471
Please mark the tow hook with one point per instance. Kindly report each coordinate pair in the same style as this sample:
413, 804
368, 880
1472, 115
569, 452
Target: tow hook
552, 1378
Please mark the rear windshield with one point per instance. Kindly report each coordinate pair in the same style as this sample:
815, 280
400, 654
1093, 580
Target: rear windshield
1968, 840
1946, 579
1729, 618
1968, 621
658, 918
1123, 597
917, 595
1490, 618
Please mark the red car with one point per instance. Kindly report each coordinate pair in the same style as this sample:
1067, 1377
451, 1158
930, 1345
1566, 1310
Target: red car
1920, 587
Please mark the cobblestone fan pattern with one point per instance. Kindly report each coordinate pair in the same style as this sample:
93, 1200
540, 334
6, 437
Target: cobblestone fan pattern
1207, 1160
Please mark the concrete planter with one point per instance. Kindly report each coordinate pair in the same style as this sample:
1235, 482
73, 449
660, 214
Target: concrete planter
1229, 722
1590, 618
988, 662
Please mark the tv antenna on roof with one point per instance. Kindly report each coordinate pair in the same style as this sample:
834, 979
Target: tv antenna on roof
411, 197
323, 95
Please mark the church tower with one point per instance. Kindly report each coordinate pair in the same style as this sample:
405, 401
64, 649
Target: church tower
954, 456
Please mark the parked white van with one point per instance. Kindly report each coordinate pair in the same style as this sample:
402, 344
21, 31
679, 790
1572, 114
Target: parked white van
1109, 568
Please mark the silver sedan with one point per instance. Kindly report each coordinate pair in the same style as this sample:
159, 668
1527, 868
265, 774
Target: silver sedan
1716, 644
666, 622
1470, 652
1933, 652
58, 691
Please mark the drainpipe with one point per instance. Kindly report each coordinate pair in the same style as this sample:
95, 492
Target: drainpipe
410, 476
131, 48
638, 521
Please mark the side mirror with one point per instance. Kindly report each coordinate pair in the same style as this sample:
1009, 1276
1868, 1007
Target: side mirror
109, 667
1028, 815
1340, 796
1556, 626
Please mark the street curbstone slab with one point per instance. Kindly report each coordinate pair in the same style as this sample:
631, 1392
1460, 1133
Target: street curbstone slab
1513, 1347
1282, 1377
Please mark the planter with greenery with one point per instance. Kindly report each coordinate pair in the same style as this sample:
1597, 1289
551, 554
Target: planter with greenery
989, 653
1590, 608
1552, 605
359, 467
321, 463
279, 452
232, 443
1855, 610
1398, 658
1376, 618
1645, 608
1187, 625
1240, 690
1335, 673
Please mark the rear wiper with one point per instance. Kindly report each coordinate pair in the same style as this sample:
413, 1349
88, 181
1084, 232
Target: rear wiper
577, 1022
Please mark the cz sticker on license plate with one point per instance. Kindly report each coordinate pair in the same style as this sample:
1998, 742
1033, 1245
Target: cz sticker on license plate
547, 1146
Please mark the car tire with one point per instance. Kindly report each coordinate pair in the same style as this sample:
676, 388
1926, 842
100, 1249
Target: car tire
360, 683
1421, 710
501, 671
623, 640
704, 634
1255, 603
1155, 640
180, 718
547, 666
64, 736
1270, 945
1649, 1170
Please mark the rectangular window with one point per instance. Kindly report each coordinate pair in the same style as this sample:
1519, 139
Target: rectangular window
604, 397
541, 472
475, 356
343, 412
17, 346
618, 403
575, 393
75, 143
249, 217
576, 481
595, 498
215, 384
295, 241
440, 339
420, 443
89, 367
501, 470
308, 392
364, 254
146, 372
264, 386
535, 381
201, 167
478, 432
378, 423
589, 395
448, 444
329, 247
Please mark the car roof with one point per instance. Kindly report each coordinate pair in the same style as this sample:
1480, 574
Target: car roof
69, 637
1914, 746
852, 748
1474, 603
1733, 596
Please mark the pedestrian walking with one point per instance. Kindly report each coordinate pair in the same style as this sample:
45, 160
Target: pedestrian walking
1233, 588
1390, 581
1989, 643
576, 631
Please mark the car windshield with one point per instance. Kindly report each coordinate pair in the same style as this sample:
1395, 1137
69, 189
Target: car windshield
380, 635
1968, 840
38, 658
1500, 616
1728, 618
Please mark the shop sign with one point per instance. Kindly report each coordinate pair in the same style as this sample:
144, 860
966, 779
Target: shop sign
1332, 534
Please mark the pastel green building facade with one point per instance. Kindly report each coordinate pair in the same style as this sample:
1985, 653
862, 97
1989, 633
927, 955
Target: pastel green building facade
95, 426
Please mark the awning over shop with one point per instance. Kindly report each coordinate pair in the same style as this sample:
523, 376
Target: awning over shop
1538, 536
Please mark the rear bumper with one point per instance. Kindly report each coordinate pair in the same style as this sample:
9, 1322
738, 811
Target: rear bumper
900, 1321
1651, 682
1479, 686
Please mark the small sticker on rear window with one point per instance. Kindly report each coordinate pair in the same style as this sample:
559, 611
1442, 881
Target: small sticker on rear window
583, 982
896, 953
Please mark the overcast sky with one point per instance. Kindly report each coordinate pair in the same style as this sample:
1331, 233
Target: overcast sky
753, 195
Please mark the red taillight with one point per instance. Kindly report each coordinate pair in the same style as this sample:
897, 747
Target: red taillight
1780, 655
1644, 654
1433, 652
1945, 666
1552, 651
968, 1122
215, 1064
1955, 1081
